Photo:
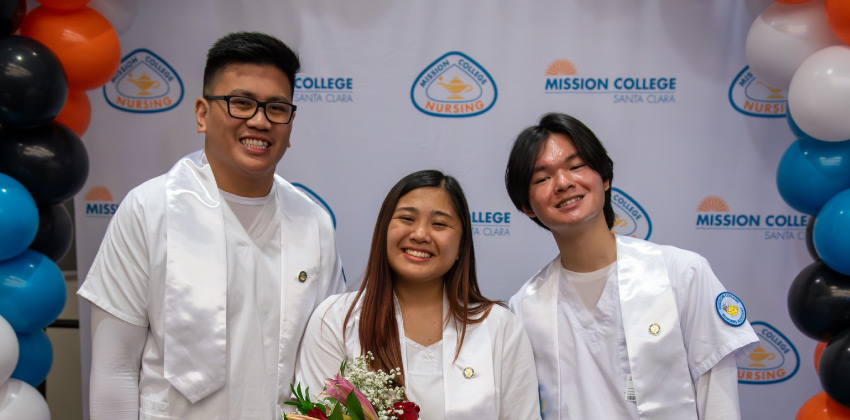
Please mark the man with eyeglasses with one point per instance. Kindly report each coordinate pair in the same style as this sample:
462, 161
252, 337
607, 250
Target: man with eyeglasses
207, 275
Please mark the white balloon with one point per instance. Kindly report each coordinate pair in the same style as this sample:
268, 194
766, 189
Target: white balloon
9, 350
120, 13
784, 35
19, 400
819, 95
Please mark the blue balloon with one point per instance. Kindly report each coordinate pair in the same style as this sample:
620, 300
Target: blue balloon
18, 217
32, 291
36, 357
832, 233
813, 171
794, 127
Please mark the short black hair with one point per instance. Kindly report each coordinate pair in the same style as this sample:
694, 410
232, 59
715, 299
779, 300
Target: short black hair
528, 145
252, 48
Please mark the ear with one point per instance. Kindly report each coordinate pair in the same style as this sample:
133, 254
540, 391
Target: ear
529, 213
607, 185
201, 110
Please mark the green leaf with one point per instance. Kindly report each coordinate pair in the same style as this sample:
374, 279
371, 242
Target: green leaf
343, 365
336, 414
355, 410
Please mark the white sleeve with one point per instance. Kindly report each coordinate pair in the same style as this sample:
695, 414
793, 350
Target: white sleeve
117, 348
517, 381
717, 391
322, 348
119, 276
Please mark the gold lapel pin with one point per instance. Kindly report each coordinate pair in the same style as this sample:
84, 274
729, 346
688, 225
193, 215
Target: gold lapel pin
468, 372
302, 276
654, 328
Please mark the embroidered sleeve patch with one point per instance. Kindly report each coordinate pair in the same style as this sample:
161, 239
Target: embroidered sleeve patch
731, 309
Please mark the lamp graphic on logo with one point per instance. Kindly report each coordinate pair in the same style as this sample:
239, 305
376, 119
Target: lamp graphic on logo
760, 355
144, 82
455, 87
774, 92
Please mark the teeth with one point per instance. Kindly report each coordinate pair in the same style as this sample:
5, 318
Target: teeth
568, 202
257, 144
417, 253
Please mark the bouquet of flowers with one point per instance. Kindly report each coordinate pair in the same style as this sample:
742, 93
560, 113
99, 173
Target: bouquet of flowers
355, 393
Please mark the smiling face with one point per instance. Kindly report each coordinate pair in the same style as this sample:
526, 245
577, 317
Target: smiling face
565, 193
423, 236
243, 153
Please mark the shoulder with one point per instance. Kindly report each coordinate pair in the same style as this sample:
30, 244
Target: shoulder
335, 307
679, 262
298, 204
531, 287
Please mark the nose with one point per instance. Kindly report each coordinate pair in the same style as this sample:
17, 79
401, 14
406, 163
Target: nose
420, 234
563, 181
259, 120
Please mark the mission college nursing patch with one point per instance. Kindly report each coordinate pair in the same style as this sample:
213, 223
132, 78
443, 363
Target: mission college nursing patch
731, 309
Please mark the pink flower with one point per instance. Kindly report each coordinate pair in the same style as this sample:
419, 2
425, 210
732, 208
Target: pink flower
338, 388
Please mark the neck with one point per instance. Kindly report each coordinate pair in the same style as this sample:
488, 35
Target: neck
251, 188
587, 250
419, 293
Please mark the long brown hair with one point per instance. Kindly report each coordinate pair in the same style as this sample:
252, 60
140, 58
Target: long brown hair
378, 329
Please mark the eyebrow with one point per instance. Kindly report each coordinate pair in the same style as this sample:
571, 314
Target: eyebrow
538, 168
433, 212
248, 93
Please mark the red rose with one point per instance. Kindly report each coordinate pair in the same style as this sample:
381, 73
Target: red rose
317, 413
410, 410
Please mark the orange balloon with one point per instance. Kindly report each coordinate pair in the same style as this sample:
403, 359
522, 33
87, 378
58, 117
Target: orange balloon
64, 4
76, 114
821, 407
838, 16
818, 351
83, 39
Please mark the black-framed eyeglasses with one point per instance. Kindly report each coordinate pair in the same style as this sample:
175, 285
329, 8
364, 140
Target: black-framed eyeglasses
245, 108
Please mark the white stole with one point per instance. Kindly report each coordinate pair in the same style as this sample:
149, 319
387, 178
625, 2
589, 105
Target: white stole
196, 278
658, 363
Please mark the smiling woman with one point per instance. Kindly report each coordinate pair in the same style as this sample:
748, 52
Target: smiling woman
419, 308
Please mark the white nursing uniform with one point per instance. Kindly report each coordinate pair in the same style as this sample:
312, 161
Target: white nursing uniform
127, 280
583, 360
504, 385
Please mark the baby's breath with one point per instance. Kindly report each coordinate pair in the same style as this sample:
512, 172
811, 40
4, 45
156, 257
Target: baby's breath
378, 386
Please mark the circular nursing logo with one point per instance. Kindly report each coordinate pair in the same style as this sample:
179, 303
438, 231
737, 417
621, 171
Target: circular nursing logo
731, 309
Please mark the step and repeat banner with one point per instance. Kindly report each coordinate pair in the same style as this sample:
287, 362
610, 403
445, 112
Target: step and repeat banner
392, 87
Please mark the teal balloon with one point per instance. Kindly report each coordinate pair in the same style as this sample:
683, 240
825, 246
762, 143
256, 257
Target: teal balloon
18, 217
831, 234
813, 171
35, 359
32, 291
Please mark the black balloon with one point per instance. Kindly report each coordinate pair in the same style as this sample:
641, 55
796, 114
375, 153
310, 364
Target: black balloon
11, 15
50, 160
810, 242
834, 370
819, 302
33, 87
55, 231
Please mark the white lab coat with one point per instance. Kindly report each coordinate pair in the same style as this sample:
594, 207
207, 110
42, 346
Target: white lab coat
504, 385
128, 280
665, 371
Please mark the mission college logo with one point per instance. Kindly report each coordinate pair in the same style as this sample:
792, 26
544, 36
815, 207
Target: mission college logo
773, 360
330, 89
99, 202
631, 219
454, 85
713, 214
144, 83
318, 200
562, 77
752, 97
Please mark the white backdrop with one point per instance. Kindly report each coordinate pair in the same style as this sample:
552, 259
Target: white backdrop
695, 138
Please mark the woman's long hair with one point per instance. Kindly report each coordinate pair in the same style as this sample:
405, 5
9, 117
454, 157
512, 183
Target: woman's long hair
378, 329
